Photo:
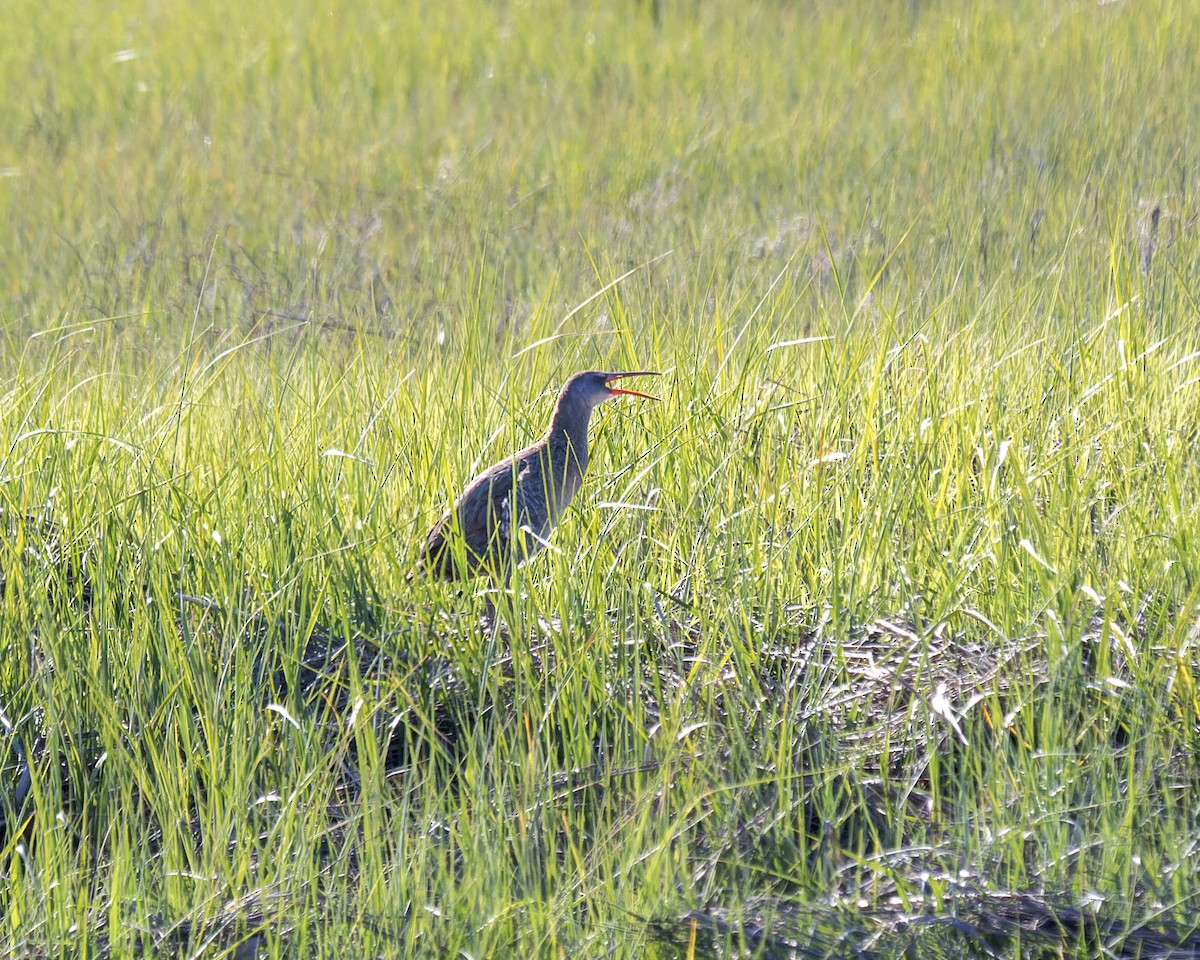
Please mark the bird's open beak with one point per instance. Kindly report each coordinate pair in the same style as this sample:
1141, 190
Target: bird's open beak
633, 393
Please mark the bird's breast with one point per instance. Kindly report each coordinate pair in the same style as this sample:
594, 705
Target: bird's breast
571, 482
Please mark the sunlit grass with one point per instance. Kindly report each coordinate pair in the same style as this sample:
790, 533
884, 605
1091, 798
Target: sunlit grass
276, 282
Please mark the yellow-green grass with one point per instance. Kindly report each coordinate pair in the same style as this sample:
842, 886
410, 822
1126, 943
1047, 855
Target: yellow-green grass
276, 279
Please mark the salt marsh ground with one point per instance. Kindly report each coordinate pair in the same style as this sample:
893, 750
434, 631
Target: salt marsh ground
877, 634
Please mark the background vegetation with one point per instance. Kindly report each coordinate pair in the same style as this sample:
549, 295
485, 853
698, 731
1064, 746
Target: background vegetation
276, 278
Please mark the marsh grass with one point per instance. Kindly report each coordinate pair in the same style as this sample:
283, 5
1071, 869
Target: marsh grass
877, 633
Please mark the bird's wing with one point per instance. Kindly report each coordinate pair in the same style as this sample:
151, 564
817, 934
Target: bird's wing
482, 506
484, 510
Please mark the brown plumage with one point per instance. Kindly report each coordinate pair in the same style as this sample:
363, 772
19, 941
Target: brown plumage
506, 513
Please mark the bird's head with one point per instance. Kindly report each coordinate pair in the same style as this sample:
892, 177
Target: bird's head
593, 387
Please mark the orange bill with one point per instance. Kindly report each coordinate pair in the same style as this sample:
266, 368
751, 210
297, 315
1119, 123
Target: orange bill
633, 393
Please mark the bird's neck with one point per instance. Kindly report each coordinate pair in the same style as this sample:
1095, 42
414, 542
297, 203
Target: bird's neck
568, 433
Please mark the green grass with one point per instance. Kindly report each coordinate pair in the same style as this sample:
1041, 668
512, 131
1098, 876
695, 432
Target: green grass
275, 280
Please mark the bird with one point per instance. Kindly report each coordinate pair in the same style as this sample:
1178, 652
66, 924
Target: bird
504, 516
